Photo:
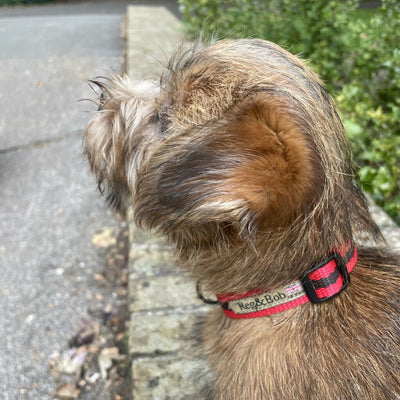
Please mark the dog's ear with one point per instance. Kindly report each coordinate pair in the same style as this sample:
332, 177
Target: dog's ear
255, 167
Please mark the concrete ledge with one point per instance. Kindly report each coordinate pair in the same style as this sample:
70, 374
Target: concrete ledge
153, 33
164, 310
166, 378
390, 230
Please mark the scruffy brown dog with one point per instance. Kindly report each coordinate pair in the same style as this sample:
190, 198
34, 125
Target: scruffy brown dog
240, 158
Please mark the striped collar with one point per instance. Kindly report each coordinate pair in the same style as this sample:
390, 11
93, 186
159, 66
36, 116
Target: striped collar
319, 284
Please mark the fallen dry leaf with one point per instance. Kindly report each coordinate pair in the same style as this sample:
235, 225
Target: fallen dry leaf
87, 332
106, 358
104, 238
67, 391
99, 277
72, 360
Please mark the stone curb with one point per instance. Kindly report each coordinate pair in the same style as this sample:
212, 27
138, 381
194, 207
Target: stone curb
153, 33
163, 304
164, 310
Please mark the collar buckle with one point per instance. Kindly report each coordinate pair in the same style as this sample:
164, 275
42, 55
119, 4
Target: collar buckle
311, 284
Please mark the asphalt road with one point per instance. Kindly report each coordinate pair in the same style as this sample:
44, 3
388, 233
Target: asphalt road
49, 208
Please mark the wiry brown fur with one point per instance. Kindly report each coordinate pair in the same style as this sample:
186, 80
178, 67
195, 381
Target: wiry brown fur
242, 161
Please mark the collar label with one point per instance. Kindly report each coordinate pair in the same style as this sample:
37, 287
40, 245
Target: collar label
268, 299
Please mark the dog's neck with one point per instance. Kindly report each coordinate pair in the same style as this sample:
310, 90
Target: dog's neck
319, 284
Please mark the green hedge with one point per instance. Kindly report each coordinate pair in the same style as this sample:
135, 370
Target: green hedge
355, 51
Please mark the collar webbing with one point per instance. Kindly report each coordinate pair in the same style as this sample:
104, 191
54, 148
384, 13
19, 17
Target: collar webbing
319, 284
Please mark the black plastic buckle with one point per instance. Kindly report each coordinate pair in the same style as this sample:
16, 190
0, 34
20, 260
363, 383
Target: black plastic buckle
309, 287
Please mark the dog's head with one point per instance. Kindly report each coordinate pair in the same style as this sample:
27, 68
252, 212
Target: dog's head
239, 138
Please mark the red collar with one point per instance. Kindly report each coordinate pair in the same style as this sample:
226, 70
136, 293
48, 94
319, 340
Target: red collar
321, 283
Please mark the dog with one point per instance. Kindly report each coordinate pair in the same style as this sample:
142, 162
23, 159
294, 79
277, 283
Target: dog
239, 157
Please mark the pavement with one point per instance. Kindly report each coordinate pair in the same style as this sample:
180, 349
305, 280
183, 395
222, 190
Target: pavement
50, 210
50, 213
